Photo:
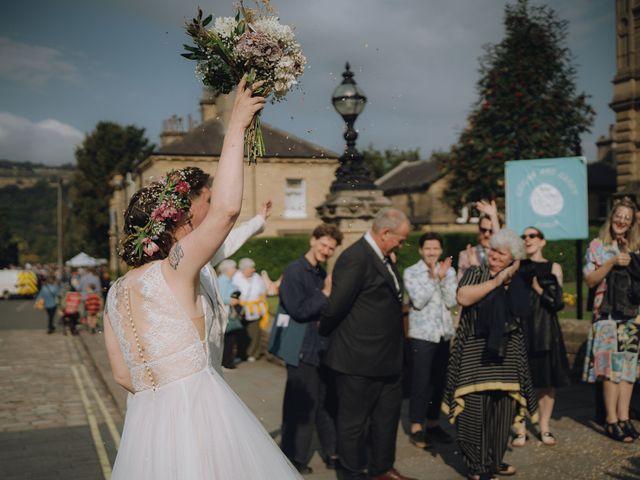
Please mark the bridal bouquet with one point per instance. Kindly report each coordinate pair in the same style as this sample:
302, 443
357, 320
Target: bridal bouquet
254, 43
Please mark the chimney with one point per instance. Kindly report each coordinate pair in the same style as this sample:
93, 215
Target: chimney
214, 105
172, 130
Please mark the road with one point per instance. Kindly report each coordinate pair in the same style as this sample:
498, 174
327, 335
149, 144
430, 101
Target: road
61, 414
56, 420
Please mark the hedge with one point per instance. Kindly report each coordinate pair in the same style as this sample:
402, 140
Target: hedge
274, 254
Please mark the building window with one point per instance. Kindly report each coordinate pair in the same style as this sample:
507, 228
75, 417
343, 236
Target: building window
295, 198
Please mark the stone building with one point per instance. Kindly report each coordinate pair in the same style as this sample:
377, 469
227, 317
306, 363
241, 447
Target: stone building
626, 98
294, 174
417, 189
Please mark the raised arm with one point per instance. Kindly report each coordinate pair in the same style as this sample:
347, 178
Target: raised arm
192, 252
470, 294
491, 211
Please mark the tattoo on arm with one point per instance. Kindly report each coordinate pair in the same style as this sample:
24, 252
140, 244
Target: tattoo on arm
175, 255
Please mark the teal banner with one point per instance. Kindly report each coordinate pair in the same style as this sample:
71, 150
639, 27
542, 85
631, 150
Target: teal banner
549, 194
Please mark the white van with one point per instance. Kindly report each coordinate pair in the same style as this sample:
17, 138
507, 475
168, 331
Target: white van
18, 283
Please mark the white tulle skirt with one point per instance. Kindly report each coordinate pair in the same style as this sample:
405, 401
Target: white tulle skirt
196, 428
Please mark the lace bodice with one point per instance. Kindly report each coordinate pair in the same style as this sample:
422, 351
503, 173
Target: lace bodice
171, 346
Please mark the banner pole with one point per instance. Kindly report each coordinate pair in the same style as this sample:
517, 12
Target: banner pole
579, 279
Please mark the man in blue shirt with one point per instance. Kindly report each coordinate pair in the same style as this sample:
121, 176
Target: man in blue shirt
304, 291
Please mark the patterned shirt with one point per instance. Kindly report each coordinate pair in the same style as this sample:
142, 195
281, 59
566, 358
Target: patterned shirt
597, 254
431, 299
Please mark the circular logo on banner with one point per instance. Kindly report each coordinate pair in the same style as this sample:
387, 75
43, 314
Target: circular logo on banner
546, 200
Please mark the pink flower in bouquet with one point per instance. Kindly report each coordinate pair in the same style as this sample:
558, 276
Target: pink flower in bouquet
149, 247
259, 50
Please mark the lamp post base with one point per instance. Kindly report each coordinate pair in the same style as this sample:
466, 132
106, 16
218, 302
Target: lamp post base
352, 211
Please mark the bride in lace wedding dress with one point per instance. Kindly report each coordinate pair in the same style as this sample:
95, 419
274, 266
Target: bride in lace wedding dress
183, 421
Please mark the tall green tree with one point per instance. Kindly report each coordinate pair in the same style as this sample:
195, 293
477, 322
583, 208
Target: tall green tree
380, 162
528, 105
108, 150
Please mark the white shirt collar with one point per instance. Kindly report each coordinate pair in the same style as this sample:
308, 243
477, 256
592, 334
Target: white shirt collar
374, 245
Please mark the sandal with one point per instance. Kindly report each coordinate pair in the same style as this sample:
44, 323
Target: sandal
548, 439
615, 432
519, 439
506, 470
629, 429
482, 476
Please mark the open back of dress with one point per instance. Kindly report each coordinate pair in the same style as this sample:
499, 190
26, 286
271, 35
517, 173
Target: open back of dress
160, 343
183, 422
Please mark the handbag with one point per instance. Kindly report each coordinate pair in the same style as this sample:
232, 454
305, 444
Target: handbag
234, 321
39, 305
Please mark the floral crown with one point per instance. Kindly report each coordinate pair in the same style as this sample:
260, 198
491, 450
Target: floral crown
173, 203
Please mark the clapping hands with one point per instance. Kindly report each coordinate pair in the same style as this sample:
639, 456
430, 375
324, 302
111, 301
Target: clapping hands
505, 276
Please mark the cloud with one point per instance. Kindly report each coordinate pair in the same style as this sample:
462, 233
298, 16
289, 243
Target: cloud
34, 65
50, 141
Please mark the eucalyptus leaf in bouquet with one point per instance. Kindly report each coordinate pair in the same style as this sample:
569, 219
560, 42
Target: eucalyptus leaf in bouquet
255, 43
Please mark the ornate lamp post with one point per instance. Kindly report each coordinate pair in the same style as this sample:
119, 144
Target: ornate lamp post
349, 101
353, 199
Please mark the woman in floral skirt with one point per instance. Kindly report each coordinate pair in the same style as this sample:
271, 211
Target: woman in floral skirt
612, 347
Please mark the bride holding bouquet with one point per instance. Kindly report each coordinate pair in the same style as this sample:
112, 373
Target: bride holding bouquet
183, 421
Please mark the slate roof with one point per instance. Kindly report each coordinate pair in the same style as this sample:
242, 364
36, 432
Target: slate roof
410, 177
206, 140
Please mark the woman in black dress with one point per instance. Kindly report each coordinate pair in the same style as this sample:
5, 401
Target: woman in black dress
545, 346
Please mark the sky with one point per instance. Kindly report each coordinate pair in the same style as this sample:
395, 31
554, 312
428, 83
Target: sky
66, 65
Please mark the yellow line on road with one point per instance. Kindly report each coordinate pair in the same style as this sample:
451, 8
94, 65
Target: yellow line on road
111, 425
93, 426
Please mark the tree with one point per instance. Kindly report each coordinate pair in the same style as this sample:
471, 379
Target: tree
8, 247
528, 106
380, 163
108, 150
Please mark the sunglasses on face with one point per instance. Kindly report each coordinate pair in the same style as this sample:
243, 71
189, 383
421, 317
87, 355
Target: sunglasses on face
485, 230
530, 235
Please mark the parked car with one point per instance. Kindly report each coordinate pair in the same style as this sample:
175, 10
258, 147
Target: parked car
18, 283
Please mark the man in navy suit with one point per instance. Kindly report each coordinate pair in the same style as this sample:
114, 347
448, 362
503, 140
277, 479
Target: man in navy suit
364, 321
304, 292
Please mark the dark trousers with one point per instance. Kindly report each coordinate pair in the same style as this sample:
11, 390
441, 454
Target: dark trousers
51, 315
429, 361
483, 429
71, 320
372, 402
231, 342
306, 409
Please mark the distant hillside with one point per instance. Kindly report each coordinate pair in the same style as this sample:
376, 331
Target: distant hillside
27, 174
28, 201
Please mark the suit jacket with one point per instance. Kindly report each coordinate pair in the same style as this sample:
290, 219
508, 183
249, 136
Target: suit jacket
363, 317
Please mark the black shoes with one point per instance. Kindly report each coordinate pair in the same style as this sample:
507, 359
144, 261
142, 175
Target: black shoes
418, 439
615, 431
331, 462
303, 469
437, 434
629, 429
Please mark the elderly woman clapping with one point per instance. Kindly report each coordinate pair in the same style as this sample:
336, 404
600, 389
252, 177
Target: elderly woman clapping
489, 382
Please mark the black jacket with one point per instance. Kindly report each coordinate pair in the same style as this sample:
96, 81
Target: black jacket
363, 317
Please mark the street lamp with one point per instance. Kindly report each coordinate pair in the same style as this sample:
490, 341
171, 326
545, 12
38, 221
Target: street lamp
349, 101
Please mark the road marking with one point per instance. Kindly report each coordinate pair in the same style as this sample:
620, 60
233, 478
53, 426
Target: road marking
93, 426
111, 425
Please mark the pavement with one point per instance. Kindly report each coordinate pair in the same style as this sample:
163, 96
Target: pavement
61, 415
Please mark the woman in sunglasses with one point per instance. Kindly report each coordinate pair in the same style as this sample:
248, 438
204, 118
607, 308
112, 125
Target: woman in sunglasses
612, 346
545, 345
